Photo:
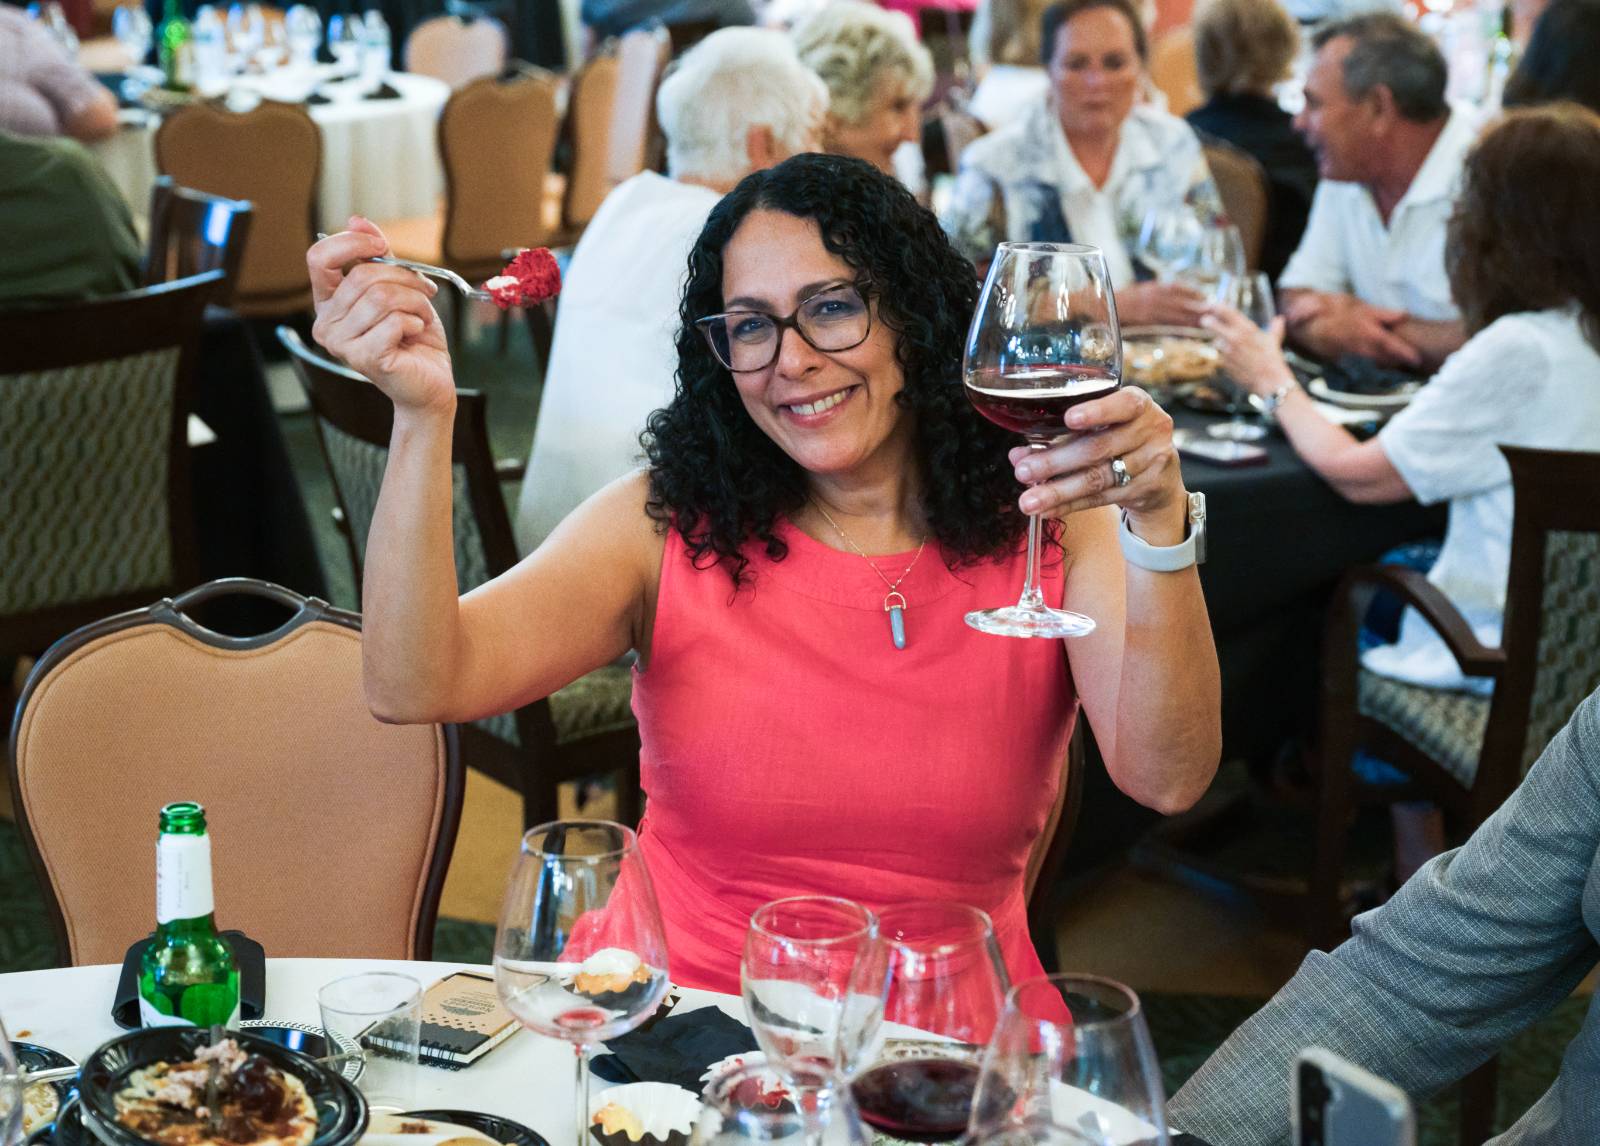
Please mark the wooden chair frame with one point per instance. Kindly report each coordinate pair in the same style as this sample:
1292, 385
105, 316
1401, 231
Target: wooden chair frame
172, 611
179, 212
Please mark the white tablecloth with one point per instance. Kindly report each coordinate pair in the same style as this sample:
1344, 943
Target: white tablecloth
380, 157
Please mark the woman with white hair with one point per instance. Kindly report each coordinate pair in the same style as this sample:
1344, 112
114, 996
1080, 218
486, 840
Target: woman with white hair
738, 101
878, 77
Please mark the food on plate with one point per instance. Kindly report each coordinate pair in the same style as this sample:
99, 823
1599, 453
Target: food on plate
644, 1114
532, 277
260, 1105
384, 1128
40, 1104
1168, 359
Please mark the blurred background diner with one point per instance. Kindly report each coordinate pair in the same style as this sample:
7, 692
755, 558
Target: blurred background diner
1351, 245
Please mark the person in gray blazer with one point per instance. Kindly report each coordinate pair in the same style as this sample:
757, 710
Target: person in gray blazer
1475, 947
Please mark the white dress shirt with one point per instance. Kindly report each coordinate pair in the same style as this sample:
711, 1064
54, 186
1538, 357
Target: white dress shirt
613, 357
1347, 249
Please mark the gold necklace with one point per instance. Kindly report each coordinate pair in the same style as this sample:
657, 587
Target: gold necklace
894, 602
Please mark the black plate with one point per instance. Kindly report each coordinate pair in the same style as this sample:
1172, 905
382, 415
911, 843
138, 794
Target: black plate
341, 1110
32, 1056
66, 1130
500, 1129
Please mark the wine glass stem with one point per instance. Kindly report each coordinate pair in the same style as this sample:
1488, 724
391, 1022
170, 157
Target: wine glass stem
581, 1053
1031, 597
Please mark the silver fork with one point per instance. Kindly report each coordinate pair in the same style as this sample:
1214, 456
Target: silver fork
431, 271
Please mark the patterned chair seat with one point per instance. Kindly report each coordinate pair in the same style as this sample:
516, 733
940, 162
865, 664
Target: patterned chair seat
596, 703
1446, 726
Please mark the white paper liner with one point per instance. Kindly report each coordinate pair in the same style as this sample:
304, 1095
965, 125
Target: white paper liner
661, 1108
733, 1062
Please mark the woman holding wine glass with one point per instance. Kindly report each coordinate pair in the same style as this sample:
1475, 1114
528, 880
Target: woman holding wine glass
822, 508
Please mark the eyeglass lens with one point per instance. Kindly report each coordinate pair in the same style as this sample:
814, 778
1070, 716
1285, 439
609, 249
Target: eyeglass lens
834, 319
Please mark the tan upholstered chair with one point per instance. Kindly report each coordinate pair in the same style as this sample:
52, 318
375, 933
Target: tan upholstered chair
95, 507
1242, 184
450, 49
1174, 72
270, 155
331, 831
583, 730
610, 121
192, 232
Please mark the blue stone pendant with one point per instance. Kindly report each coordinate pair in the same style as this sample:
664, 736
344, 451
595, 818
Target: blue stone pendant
895, 605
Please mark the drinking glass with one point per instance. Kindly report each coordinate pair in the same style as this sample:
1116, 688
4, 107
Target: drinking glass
10, 1091
580, 954
1044, 338
1073, 1051
382, 1012
805, 1003
130, 24
1033, 1132
1169, 239
302, 29
344, 40
247, 31
943, 986
1220, 252
752, 1105
1251, 295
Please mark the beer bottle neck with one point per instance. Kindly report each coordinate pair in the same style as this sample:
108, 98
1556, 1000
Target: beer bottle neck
197, 927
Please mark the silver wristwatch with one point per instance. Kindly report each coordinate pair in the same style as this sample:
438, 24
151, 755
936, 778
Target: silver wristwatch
1267, 406
1169, 558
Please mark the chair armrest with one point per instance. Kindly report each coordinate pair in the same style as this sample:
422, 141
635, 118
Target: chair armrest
509, 469
1362, 583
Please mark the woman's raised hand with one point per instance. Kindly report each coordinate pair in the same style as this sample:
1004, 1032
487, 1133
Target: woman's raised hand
1075, 472
380, 319
1252, 357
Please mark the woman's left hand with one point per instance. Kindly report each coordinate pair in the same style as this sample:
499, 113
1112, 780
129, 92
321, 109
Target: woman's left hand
1076, 472
1252, 357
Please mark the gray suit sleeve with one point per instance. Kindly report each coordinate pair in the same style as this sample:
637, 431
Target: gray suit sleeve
1479, 944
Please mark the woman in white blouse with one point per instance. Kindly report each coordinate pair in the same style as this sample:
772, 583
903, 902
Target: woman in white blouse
1525, 270
1086, 161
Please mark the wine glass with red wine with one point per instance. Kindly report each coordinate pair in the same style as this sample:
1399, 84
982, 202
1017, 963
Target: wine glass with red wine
1044, 338
943, 985
1071, 1051
580, 954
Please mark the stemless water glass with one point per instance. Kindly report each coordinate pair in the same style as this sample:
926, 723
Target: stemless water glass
752, 1105
580, 954
1073, 1051
805, 1002
1169, 239
130, 24
943, 985
1251, 295
381, 1011
1044, 338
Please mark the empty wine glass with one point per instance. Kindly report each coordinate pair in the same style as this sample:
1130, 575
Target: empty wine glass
130, 24
943, 986
1072, 1051
1220, 252
247, 31
752, 1104
344, 40
1251, 295
1169, 239
806, 1005
302, 28
580, 953
1043, 339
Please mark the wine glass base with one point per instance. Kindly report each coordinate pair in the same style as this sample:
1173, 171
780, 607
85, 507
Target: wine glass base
1237, 431
1017, 621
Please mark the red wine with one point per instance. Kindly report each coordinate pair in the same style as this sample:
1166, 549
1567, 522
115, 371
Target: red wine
582, 1018
1034, 400
920, 1100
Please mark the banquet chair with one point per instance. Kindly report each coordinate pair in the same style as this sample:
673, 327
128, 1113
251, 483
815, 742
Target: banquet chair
331, 831
192, 232
456, 51
271, 156
1244, 190
94, 405
583, 730
1174, 72
496, 139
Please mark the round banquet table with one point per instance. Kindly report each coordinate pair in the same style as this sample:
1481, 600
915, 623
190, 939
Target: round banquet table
379, 156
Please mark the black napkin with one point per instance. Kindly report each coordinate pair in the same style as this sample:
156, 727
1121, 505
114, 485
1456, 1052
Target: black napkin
677, 1049
252, 980
384, 90
317, 98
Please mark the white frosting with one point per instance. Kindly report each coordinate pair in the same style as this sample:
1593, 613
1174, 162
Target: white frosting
502, 282
611, 961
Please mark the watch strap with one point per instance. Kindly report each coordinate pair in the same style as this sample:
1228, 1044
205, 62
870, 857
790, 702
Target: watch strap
1158, 558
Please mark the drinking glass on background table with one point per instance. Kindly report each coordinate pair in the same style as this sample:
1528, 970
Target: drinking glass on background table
1073, 1050
344, 41
1043, 339
943, 977
1251, 295
302, 29
130, 24
382, 1012
1220, 252
1169, 239
247, 31
804, 1000
752, 1105
580, 954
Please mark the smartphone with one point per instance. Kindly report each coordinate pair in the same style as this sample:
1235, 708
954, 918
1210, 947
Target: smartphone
1218, 451
1333, 1102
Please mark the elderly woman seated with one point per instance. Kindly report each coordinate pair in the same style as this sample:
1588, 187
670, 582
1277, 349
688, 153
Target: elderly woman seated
819, 440
1242, 49
1087, 161
878, 76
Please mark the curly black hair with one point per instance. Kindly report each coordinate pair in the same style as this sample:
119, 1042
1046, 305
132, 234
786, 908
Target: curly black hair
722, 481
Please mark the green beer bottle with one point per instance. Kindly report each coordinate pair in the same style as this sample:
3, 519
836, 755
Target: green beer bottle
175, 48
188, 976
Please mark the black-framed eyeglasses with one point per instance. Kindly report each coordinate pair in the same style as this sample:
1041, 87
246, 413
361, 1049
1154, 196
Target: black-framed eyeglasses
836, 317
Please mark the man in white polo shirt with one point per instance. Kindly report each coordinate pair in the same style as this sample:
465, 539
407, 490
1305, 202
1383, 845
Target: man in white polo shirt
1369, 277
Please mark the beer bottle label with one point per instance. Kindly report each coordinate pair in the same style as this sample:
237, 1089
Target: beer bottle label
183, 877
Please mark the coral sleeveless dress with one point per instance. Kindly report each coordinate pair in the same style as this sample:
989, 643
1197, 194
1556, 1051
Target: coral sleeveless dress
790, 749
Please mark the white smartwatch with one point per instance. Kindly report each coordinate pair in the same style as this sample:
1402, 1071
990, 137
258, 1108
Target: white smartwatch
1169, 558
